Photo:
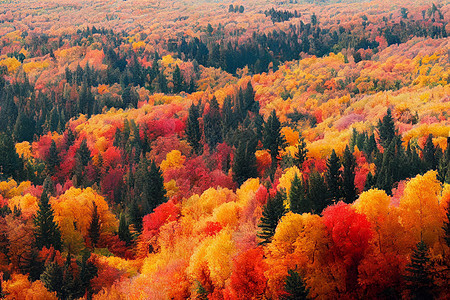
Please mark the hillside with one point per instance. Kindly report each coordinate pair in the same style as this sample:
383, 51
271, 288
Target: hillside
217, 150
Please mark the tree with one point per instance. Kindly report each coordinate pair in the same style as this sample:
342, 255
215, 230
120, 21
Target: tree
24, 128
295, 287
53, 160
386, 129
156, 190
317, 194
193, 133
444, 165
241, 9
333, 176
429, 154
313, 19
348, 176
418, 279
273, 140
94, 226
124, 231
213, 124
244, 165
53, 279
300, 156
9, 159
47, 232
297, 197
83, 153
178, 82
272, 213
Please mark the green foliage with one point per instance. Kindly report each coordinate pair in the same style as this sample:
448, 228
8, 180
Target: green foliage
94, 226
244, 165
272, 213
193, 133
299, 203
124, 231
295, 287
418, 278
9, 160
430, 154
317, 194
53, 160
333, 176
213, 125
301, 154
386, 129
47, 233
348, 176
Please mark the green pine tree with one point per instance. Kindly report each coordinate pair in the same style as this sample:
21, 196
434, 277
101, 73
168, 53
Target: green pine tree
386, 129
295, 287
419, 281
124, 230
244, 165
429, 154
156, 190
47, 232
193, 132
297, 197
9, 159
213, 125
317, 194
83, 153
53, 160
272, 138
301, 154
333, 176
53, 279
272, 213
94, 226
348, 176
178, 82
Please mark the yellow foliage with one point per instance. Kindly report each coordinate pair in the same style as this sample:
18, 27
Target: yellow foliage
27, 203
24, 52
199, 206
286, 180
138, 45
11, 63
24, 149
73, 210
102, 89
227, 214
171, 188
247, 191
19, 287
214, 255
174, 160
33, 65
130, 267
290, 135
419, 208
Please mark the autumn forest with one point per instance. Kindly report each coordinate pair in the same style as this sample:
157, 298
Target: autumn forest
200, 149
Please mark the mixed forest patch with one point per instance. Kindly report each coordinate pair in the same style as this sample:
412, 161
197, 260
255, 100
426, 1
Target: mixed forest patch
245, 150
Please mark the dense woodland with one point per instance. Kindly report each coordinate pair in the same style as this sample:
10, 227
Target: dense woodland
245, 150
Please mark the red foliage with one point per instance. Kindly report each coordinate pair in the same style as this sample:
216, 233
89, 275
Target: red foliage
166, 212
349, 230
247, 280
112, 183
212, 228
106, 275
112, 157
